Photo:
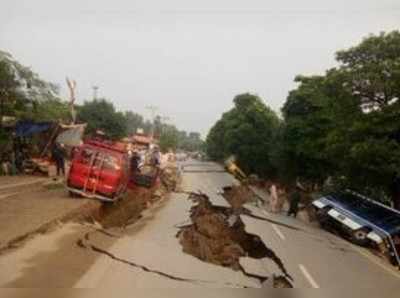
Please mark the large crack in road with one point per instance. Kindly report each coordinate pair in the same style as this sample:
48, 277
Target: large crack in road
217, 235
85, 243
213, 234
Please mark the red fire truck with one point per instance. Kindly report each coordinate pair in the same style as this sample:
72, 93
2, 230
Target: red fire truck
99, 170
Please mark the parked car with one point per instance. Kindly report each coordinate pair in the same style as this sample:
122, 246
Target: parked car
366, 222
99, 170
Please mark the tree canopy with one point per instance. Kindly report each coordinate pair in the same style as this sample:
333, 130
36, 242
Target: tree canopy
343, 124
24, 95
100, 114
246, 131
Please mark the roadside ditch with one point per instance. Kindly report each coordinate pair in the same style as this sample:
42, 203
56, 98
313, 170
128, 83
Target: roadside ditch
107, 215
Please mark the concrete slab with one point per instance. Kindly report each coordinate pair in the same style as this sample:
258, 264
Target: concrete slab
253, 266
156, 247
25, 213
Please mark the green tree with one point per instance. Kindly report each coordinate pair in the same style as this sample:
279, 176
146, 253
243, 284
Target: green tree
373, 69
191, 142
133, 122
169, 138
307, 123
100, 114
25, 95
215, 146
343, 124
246, 131
9, 92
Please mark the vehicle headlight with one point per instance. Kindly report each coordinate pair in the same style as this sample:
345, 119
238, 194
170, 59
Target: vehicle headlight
374, 237
319, 204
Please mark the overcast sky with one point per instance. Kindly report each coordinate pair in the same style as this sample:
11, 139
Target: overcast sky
189, 58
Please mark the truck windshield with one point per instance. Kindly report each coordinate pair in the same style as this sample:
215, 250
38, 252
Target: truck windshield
111, 163
104, 160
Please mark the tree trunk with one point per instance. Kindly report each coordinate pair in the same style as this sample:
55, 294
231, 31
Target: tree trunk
396, 201
1, 112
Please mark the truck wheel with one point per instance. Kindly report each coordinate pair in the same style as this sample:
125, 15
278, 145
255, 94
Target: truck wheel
359, 237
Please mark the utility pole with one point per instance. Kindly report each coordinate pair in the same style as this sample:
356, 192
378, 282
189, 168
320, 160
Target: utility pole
95, 89
72, 88
153, 110
164, 120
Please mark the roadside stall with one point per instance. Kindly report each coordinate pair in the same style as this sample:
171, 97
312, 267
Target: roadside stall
30, 146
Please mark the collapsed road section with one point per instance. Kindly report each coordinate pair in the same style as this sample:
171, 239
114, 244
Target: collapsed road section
187, 241
217, 235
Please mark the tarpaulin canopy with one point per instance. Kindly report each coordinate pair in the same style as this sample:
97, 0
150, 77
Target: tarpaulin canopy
72, 136
28, 128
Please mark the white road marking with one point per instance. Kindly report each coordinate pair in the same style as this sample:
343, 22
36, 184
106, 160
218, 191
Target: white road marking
308, 276
277, 231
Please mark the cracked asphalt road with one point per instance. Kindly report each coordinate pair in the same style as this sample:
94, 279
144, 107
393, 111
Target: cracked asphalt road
148, 254
314, 258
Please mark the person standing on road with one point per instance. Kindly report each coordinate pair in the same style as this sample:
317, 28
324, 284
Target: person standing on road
18, 157
273, 198
58, 157
156, 157
135, 160
294, 200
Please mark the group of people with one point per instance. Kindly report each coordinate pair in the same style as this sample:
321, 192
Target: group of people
138, 158
277, 199
12, 161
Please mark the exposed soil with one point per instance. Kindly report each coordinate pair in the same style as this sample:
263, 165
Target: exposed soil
46, 208
238, 195
170, 178
217, 235
127, 210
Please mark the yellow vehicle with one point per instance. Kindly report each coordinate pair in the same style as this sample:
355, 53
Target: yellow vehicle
232, 168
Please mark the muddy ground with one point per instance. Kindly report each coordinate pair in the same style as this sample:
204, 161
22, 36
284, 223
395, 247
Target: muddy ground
215, 235
52, 253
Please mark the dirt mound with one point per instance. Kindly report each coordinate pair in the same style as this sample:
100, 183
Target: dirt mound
237, 196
